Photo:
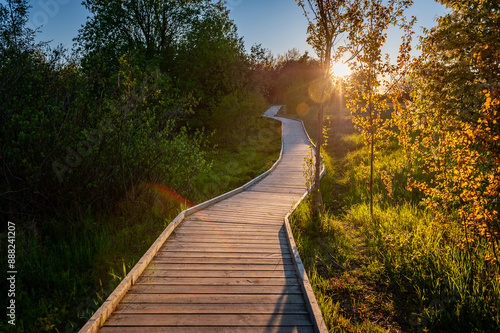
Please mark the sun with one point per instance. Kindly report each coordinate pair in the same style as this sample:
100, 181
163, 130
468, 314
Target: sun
340, 69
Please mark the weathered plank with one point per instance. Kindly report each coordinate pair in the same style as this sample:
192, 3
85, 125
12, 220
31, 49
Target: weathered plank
209, 320
210, 289
218, 274
240, 220
221, 240
220, 281
218, 236
291, 309
204, 254
226, 260
213, 329
228, 248
224, 267
278, 300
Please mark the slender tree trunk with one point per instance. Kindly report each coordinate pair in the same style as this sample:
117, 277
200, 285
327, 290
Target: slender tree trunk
371, 170
318, 199
372, 141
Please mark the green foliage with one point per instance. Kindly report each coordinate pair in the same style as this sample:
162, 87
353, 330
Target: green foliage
149, 27
400, 269
96, 149
15, 37
79, 272
236, 114
366, 100
211, 61
194, 43
451, 129
293, 75
237, 162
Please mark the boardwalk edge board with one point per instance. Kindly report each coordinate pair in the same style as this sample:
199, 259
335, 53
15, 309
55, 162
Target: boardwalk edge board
108, 307
312, 304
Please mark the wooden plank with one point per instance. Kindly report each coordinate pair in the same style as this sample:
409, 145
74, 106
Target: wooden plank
231, 226
217, 267
255, 198
235, 217
227, 236
234, 224
252, 204
249, 209
270, 189
201, 237
211, 236
150, 272
207, 232
242, 220
210, 246
228, 248
211, 309
276, 197
210, 289
217, 241
239, 213
204, 254
213, 329
220, 281
227, 320
191, 260
284, 182
211, 232
212, 299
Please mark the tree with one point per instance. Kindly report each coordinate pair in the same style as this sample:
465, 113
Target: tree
210, 62
14, 34
195, 43
153, 27
328, 21
368, 90
262, 67
455, 116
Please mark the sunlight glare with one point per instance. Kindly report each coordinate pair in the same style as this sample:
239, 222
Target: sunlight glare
341, 69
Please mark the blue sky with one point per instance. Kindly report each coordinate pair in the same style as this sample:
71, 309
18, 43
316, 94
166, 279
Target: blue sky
279, 25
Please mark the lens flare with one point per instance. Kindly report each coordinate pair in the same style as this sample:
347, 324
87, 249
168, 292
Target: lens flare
320, 90
166, 194
303, 109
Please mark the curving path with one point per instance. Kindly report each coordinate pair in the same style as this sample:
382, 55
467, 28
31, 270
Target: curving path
230, 267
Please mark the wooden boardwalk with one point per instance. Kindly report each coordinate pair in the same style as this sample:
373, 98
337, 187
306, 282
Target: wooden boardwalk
229, 267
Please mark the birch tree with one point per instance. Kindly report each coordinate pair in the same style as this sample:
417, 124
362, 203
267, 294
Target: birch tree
369, 88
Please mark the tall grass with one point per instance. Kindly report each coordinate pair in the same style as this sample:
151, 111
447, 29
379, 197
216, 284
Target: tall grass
401, 271
63, 280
